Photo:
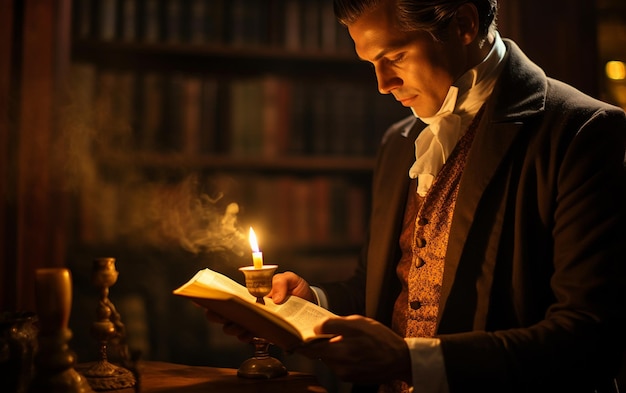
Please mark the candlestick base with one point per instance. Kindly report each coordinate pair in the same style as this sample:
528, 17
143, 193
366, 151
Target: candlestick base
103, 375
261, 365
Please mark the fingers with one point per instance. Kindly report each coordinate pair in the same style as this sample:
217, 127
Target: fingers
350, 326
235, 330
288, 283
280, 287
230, 328
362, 350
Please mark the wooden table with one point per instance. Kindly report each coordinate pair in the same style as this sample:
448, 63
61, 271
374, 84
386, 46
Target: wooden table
170, 377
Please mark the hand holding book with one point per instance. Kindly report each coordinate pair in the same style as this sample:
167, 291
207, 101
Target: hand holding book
289, 284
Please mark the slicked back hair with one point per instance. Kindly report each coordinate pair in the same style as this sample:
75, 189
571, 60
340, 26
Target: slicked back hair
432, 16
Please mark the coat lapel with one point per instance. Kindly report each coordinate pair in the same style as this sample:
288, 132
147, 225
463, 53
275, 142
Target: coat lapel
520, 93
391, 181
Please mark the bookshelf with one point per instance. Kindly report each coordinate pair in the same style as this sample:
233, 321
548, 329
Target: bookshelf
264, 100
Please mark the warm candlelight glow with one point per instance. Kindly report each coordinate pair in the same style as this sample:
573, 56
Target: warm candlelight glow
257, 256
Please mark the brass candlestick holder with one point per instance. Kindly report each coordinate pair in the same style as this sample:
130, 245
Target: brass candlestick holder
103, 375
261, 365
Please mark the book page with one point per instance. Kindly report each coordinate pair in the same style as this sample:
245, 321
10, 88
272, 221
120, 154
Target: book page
213, 279
302, 314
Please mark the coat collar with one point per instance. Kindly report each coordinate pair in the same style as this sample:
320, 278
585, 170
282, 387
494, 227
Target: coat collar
521, 89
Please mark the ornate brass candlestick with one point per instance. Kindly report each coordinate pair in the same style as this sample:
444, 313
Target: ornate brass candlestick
104, 375
261, 365
54, 371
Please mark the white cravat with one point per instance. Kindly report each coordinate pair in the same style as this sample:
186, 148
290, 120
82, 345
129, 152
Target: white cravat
465, 97
435, 142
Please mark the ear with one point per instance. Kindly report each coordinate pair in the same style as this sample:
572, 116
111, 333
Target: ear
467, 21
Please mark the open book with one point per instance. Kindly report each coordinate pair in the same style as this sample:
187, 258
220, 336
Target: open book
287, 325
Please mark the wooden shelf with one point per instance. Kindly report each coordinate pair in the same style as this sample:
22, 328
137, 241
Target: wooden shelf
222, 60
300, 164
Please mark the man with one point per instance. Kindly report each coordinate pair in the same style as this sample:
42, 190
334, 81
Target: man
495, 253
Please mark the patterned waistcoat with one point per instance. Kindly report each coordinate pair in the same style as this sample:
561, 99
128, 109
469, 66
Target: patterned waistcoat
423, 241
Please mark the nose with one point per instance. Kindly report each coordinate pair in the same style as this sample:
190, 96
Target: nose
387, 79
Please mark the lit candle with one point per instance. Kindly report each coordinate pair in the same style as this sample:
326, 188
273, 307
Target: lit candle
257, 256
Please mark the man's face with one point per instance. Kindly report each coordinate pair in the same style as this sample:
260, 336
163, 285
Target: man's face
410, 65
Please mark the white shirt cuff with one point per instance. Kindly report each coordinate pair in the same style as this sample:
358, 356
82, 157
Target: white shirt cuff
428, 369
320, 296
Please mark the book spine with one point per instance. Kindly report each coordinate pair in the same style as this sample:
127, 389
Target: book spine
197, 15
83, 19
173, 21
320, 208
310, 21
238, 117
151, 113
293, 32
328, 26
209, 121
107, 11
276, 108
170, 139
191, 107
151, 21
320, 108
128, 20
216, 21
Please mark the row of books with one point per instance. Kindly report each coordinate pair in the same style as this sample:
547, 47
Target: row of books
289, 24
317, 210
271, 116
285, 211
264, 116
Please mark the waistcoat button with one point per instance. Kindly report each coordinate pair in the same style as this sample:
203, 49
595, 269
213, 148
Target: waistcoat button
420, 242
419, 262
415, 304
422, 221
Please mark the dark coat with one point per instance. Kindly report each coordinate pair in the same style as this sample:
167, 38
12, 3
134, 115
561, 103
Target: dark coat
533, 295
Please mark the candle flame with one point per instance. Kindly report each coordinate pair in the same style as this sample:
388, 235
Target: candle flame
253, 242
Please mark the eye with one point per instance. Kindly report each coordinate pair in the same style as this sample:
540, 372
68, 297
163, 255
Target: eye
396, 59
